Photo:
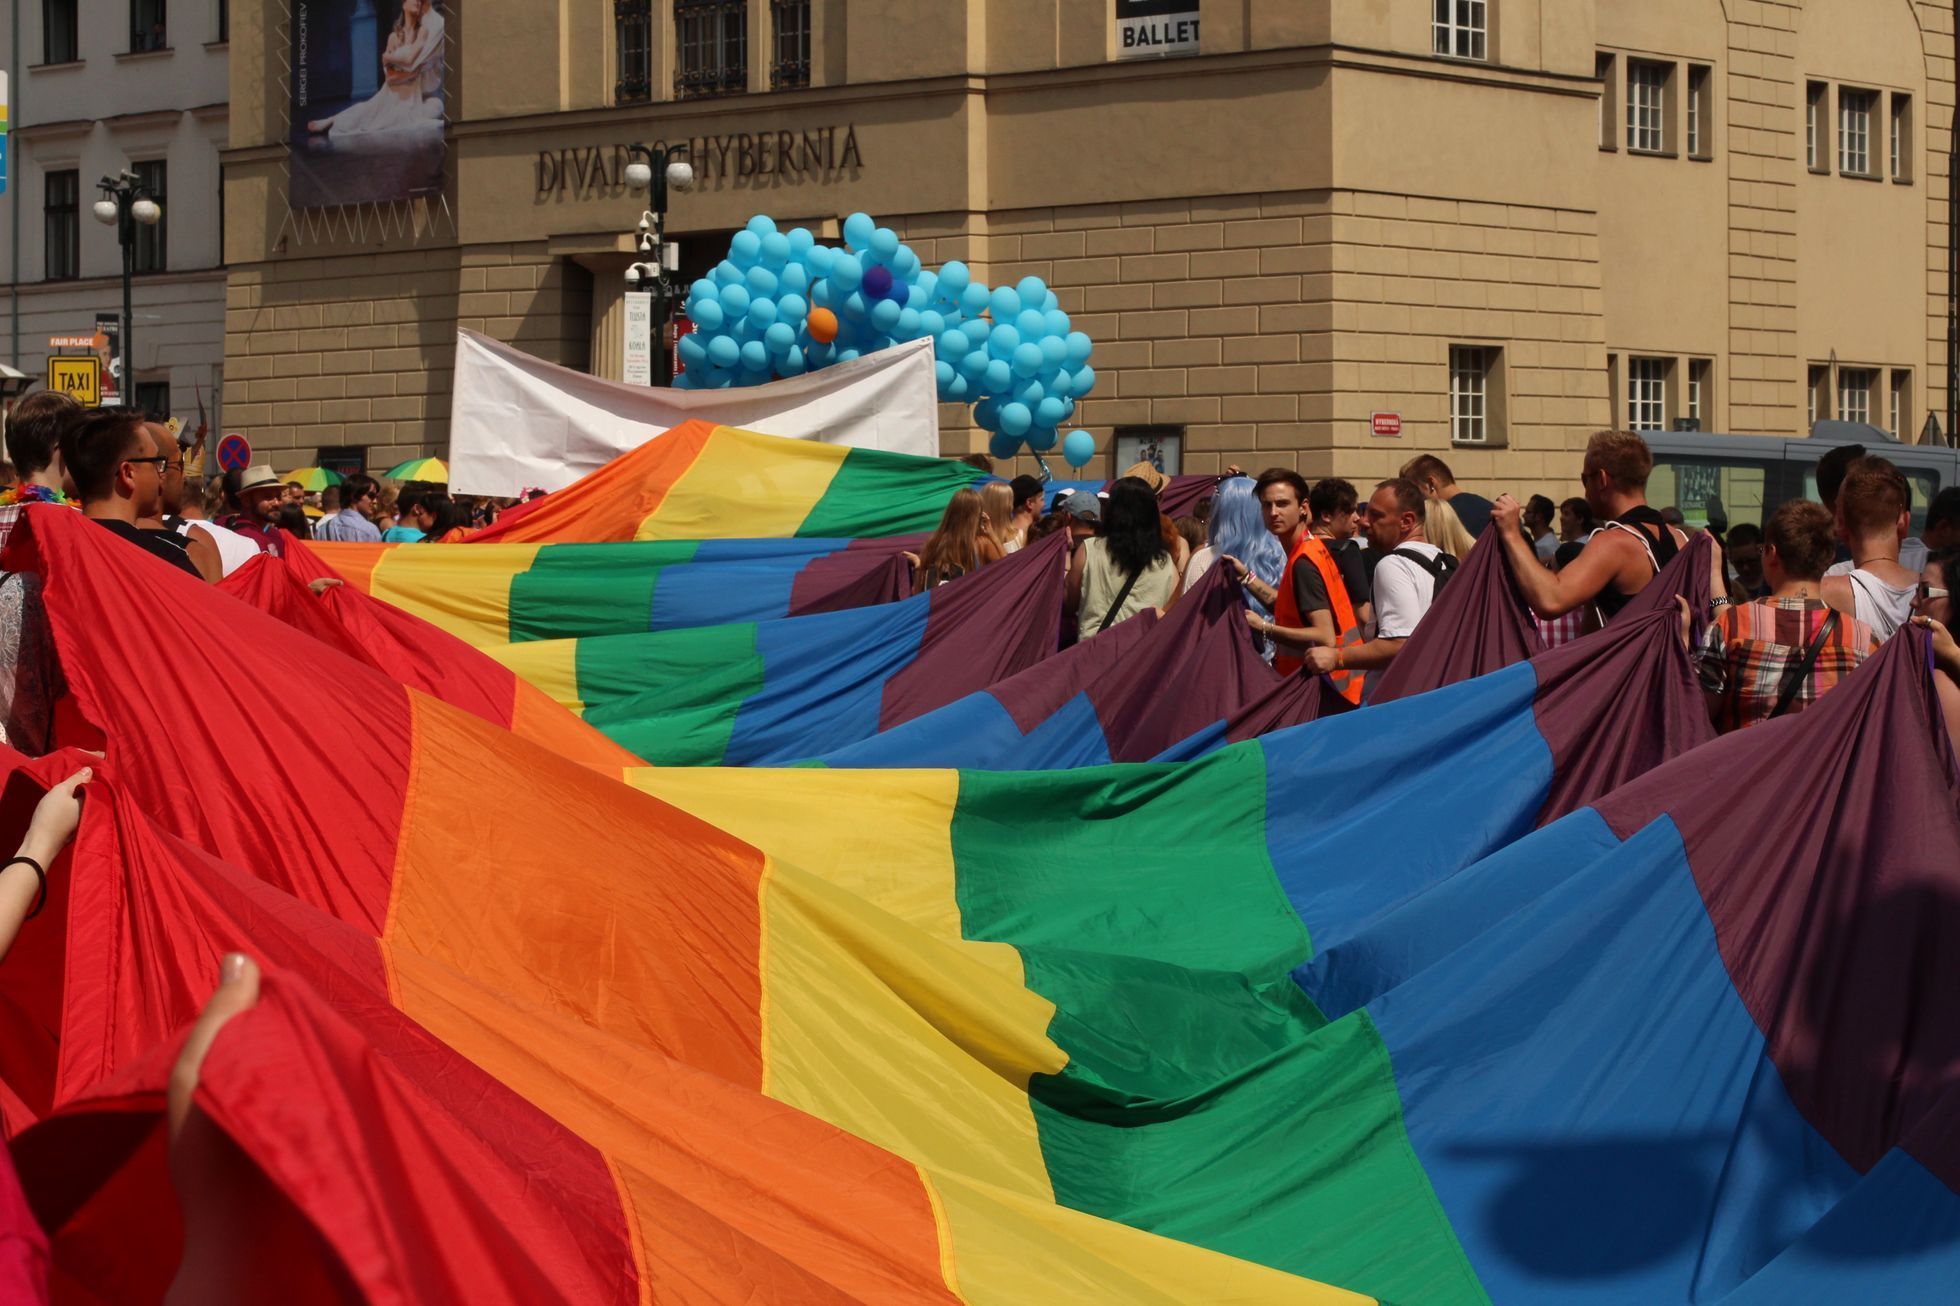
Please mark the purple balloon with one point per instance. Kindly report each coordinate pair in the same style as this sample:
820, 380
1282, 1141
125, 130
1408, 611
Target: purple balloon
877, 281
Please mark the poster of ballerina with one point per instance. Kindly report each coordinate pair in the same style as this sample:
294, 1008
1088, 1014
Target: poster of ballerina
367, 101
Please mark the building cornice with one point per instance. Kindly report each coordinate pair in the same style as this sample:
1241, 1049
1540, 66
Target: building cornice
48, 131
1166, 70
98, 285
142, 118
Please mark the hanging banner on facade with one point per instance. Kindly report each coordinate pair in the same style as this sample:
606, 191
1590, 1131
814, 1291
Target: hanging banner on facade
517, 422
1149, 28
637, 362
367, 101
106, 344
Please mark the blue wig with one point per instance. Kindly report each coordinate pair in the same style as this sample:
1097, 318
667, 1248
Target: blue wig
1238, 527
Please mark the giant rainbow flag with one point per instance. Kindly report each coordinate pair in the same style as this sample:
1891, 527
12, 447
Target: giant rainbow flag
1129, 694
488, 594
700, 481
776, 692
1492, 994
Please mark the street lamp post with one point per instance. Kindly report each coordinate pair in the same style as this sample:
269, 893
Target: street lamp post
657, 169
125, 202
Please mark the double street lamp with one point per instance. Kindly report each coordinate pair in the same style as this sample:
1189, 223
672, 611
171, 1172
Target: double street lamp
125, 202
657, 169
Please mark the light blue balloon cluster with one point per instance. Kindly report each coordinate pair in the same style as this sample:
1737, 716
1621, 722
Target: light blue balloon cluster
1009, 351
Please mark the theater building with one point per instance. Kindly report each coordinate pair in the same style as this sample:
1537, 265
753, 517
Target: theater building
1331, 235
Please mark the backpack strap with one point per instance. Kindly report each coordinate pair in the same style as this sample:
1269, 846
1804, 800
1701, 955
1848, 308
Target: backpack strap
1799, 672
1436, 566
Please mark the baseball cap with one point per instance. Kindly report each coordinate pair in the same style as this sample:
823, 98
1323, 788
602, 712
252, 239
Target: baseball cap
1081, 503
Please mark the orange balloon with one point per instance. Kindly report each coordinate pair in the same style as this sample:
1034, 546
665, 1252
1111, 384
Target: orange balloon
823, 325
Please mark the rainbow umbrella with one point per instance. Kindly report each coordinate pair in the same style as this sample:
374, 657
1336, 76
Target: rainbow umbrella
311, 479
420, 469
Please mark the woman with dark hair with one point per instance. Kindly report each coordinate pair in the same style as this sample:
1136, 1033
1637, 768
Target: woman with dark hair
430, 513
960, 545
1127, 567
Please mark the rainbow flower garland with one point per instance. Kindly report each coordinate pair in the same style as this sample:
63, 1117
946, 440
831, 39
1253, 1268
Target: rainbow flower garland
25, 493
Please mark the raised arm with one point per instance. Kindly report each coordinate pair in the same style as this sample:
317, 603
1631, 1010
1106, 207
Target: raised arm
1555, 593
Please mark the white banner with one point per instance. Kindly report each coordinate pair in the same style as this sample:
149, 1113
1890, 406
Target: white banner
517, 422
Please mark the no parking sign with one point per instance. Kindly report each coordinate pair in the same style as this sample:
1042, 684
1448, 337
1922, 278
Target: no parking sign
234, 452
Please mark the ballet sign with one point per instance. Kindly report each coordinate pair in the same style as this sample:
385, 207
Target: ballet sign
367, 101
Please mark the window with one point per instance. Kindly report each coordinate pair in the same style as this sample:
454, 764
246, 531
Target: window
1820, 395
224, 21
1814, 110
1647, 105
61, 212
1470, 373
153, 399
713, 40
1901, 138
1855, 394
1647, 394
1901, 405
1855, 132
1700, 394
791, 66
1700, 106
633, 41
60, 33
151, 252
147, 28
1462, 30
1609, 114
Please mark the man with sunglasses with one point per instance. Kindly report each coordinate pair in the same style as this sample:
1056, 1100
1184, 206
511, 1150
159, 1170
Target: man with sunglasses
353, 524
118, 475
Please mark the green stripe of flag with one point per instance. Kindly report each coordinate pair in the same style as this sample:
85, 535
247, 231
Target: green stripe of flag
591, 589
670, 697
859, 501
1205, 1098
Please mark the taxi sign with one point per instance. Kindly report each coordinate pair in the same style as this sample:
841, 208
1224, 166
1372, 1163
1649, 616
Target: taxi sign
79, 376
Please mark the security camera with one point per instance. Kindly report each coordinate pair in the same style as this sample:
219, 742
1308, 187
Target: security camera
633, 275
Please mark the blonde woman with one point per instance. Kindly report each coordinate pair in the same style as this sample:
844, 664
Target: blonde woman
997, 516
1444, 529
961, 544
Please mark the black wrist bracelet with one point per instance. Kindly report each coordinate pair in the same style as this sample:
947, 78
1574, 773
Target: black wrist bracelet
41, 897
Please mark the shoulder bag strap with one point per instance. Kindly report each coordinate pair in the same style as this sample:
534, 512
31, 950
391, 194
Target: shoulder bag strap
1793, 678
1116, 605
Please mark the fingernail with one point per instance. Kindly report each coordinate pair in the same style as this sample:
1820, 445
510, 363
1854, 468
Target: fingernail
88, 774
232, 967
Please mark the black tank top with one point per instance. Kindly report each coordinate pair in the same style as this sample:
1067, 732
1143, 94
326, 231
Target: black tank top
1661, 548
167, 545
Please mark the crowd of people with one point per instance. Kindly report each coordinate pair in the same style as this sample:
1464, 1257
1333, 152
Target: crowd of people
1335, 584
130, 472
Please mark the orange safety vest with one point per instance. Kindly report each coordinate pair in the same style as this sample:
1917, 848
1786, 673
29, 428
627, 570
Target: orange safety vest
1286, 612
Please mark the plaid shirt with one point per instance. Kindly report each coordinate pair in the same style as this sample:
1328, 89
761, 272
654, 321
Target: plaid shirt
1750, 647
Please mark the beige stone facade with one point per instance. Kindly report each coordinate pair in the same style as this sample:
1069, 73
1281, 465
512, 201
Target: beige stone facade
1613, 214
